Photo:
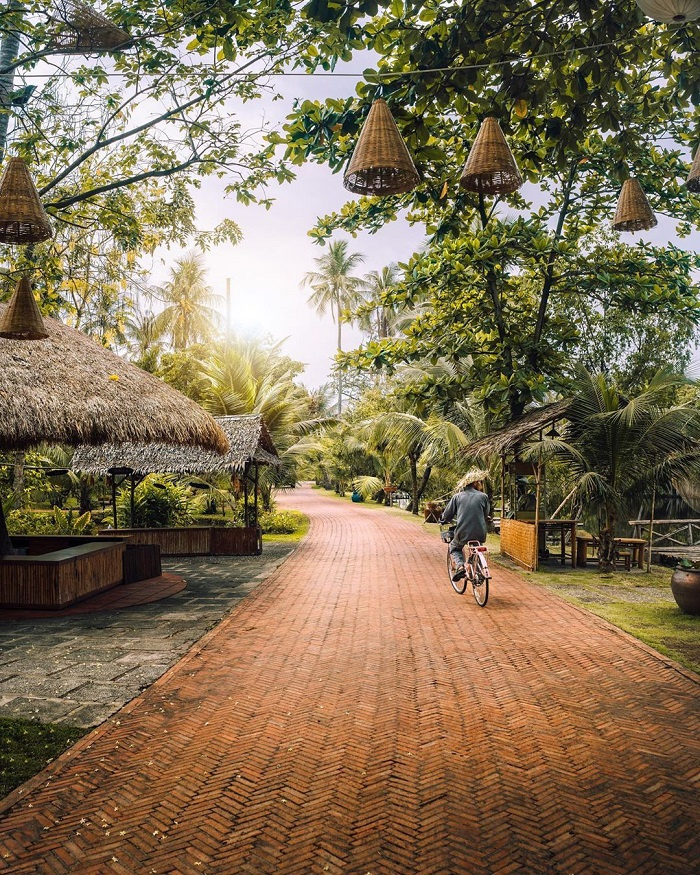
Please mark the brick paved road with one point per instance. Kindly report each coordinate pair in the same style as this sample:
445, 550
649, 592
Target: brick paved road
354, 715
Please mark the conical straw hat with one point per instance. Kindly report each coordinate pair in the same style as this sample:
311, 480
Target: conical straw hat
491, 167
22, 319
472, 476
22, 217
381, 163
693, 180
633, 211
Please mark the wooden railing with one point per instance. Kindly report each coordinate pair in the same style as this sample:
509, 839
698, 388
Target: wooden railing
676, 535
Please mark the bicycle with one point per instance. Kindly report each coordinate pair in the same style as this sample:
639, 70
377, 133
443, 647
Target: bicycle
476, 567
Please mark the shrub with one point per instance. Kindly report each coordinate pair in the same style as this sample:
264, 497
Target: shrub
281, 522
58, 522
158, 503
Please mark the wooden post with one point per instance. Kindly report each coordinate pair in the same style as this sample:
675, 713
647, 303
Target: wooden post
114, 500
538, 479
257, 470
246, 516
651, 526
503, 486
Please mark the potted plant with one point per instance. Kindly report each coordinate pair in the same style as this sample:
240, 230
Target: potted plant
685, 586
432, 511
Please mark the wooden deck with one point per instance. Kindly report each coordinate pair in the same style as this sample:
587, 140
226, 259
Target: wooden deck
60, 578
197, 540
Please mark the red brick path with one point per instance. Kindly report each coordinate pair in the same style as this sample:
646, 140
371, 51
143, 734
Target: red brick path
355, 715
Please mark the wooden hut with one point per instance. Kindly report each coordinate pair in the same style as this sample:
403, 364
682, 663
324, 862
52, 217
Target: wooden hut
65, 388
524, 527
250, 447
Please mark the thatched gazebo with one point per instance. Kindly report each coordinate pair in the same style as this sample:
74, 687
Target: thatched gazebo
523, 534
68, 389
250, 446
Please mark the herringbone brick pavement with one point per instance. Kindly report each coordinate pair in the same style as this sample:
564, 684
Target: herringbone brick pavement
354, 715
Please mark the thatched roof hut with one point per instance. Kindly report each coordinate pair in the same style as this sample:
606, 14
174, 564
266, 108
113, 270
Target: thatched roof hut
505, 439
69, 389
248, 438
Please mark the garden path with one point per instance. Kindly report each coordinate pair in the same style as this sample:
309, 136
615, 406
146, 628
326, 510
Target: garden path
354, 715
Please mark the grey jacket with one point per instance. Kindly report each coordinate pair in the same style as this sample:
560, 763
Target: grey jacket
469, 510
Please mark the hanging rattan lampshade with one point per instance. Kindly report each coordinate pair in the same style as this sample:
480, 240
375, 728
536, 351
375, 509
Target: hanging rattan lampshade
491, 167
633, 211
22, 217
381, 163
670, 10
83, 30
693, 180
22, 319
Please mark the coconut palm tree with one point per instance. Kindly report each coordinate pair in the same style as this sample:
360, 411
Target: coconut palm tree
246, 376
189, 315
144, 340
381, 321
335, 288
617, 448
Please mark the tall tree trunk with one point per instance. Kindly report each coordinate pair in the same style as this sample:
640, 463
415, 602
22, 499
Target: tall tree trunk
340, 375
85, 490
6, 548
18, 475
413, 460
8, 54
423, 483
606, 550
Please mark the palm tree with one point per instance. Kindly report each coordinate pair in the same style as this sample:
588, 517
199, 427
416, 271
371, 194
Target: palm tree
246, 376
189, 316
381, 321
432, 441
334, 288
144, 340
618, 448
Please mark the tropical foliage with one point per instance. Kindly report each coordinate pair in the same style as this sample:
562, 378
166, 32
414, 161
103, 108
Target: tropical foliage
619, 449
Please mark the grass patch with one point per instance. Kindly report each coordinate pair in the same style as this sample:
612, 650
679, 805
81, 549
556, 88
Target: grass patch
293, 537
640, 604
26, 747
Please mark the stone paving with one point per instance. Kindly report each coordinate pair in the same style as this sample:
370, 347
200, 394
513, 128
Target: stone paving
355, 716
81, 668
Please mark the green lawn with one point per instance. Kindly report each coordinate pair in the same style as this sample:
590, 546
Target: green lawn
26, 747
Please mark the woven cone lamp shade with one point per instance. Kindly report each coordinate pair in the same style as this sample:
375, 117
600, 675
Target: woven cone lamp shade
22, 319
693, 180
381, 163
670, 10
633, 211
491, 167
22, 217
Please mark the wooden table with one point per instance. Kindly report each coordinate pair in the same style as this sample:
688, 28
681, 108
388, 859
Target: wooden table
563, 526
636, 545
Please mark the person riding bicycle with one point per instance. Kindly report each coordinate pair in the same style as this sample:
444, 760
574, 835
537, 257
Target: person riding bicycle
469, 508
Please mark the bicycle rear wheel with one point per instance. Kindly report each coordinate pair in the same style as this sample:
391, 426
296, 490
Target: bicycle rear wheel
459, 586
480, 588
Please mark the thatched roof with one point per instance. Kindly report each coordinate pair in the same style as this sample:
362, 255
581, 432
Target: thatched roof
69, 389
510, 436
247, 435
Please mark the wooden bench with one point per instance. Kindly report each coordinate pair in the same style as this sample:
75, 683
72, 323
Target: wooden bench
60, 578
635, 546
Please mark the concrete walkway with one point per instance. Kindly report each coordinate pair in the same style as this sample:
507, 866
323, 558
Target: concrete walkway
354, 715
80, 665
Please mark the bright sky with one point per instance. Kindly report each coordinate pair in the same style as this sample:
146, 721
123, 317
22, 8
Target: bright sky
266, 269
